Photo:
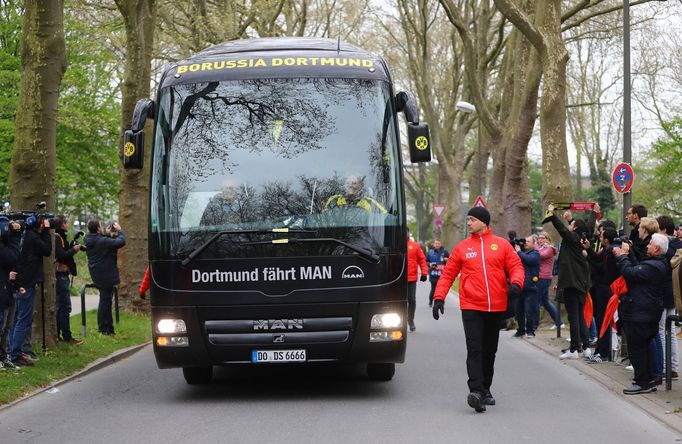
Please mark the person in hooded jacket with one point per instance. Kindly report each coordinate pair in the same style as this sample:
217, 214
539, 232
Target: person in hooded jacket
416, 261
36, 244
102, 249
484, 261
9, 255
642, 305
667, 227
574, 279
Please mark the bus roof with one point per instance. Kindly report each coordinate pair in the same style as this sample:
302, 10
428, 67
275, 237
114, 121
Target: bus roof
279, 57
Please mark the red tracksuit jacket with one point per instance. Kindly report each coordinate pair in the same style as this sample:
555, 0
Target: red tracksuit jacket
484, 262
415, 258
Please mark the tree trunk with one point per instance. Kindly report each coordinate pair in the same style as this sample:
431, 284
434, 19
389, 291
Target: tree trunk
33, 170
139, 18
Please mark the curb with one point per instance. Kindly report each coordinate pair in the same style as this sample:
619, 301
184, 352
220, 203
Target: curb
90, 368
615, 386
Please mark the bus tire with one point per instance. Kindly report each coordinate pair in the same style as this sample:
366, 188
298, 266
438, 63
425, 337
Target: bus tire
381, 371
197, 375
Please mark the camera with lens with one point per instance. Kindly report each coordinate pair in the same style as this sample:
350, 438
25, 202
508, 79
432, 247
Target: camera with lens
520, 241
75, 240
618, 241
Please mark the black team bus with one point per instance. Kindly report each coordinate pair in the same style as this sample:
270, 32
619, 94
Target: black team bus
277, 212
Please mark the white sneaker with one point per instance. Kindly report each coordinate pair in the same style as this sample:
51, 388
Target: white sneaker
570, 355
629, 367
587, 353
553, 327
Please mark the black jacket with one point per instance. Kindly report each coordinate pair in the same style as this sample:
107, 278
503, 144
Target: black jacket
574, 270
646, 281
34, 247
63, 254
9, 255
101, 251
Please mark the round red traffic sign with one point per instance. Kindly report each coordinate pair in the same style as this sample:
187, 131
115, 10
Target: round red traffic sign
623, 177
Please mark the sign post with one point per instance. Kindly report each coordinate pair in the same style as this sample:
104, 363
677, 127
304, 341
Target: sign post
623, 177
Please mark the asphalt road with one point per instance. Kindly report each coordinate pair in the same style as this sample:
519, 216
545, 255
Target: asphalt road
539, 399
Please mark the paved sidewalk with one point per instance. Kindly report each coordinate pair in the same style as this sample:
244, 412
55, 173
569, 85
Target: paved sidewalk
663, 405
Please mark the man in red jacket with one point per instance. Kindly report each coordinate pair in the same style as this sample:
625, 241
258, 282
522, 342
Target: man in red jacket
484, 262
415, 259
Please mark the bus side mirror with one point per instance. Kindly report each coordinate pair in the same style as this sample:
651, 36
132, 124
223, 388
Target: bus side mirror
417, 133
418, 139
133, 139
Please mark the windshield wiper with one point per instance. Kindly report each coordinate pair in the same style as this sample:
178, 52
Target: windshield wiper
363, 252
197, 251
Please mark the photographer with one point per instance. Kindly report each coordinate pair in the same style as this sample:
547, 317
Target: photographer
527, 309
642, 306
574, 280
64, 266
102, 263
604, 272
436, 258
9, 255
36, 244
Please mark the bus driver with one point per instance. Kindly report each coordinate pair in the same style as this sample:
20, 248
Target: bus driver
354, 187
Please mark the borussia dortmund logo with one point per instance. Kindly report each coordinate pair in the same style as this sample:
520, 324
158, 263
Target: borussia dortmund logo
421, 143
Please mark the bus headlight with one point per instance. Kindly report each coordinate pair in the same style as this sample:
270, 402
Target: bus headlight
386, 320
165, 326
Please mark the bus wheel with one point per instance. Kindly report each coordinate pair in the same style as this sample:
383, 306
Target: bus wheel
381, 372
197, 375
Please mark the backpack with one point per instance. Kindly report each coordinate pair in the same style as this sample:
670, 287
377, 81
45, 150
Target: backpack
675, 263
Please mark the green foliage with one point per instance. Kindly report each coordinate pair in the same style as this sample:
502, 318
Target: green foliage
64, 359
657, 178
89, 119
11, 22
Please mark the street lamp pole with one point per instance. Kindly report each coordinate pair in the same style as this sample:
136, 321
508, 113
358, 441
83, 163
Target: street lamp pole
627, 133
467, 107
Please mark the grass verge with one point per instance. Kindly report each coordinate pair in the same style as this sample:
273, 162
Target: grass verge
63, 360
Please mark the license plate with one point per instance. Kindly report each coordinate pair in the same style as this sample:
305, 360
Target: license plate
258, 356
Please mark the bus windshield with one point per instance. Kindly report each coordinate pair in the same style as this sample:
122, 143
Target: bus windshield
318, 155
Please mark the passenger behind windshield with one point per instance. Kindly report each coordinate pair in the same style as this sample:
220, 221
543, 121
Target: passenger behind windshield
224, 207
354, 196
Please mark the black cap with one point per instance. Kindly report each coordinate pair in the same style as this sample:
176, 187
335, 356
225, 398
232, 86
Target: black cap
481, 214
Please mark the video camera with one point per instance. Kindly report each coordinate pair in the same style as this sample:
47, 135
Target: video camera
520, 241
75, 240
25, 218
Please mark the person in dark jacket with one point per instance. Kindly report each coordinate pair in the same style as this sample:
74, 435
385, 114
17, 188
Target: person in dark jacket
574, 280
436, 258
527, 309
64, 267
102, 262
9, 255
633, 216
604, 272
642, 305
36, 244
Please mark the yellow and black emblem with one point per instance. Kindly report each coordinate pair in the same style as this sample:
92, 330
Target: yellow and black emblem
494, 247
128, 149
421, 143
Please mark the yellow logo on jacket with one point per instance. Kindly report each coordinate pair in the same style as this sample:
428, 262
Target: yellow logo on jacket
494, 247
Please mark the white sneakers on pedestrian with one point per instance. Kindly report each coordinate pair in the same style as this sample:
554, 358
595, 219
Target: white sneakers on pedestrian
629, 367
587, 353
553, 327
570, 355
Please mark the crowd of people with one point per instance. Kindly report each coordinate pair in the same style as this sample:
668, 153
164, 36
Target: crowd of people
23, 246
630, 285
